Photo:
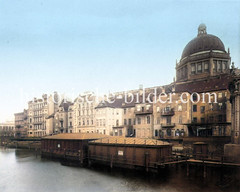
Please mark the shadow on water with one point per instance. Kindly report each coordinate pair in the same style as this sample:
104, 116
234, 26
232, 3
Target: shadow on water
218, 179
102, 178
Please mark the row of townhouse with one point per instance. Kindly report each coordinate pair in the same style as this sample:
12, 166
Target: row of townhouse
158, 112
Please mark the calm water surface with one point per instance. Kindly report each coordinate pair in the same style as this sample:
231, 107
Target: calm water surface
22, 171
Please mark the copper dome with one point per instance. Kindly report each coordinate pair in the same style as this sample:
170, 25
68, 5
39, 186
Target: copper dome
203, 42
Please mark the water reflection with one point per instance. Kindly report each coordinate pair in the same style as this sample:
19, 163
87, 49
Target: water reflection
21, 170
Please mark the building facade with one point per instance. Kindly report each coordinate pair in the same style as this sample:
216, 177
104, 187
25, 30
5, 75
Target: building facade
7, 129
109, 119
234, 87
40, 116
61, 117
84, 113
21, 124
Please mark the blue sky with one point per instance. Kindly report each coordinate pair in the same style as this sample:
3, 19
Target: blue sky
110, 45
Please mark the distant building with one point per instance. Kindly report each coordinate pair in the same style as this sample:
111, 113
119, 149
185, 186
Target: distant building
109, 118
61, 117
40, 116
84, 113
21, 126
7, 129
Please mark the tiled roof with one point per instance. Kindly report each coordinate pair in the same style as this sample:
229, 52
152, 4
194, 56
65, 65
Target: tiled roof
213, 84
75, 136
129, 141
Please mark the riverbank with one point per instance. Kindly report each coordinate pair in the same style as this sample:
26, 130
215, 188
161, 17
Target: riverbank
23, 143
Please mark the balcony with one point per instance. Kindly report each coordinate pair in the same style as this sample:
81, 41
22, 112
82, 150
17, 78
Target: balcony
167, 125
167, 112
143, 111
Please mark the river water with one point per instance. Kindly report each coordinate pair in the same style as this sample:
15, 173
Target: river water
22, 171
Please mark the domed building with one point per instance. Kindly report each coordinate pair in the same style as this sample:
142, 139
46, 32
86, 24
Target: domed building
203, 56
204, 68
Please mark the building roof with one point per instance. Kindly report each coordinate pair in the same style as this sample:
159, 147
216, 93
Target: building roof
75, 136
137, 97
212, 84
65, 104
129, 141
117, 103
203, 42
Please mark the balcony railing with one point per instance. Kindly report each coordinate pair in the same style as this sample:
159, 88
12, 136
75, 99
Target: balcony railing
167, 112
143, 112
167, 125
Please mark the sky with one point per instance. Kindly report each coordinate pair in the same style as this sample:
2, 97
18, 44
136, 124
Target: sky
103, 46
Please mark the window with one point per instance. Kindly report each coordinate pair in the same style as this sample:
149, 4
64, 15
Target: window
202, 109
138, 108
124, 111
214, 65
211, 106
120, 132
179, 107
180, 120
195, 97
148, 119
220, 106
177, 133
194, 119
194, 108
169, 132
182, 132
129, 121
206, 66
147, 107
202, 120
142, 109
193, 68
156, 133
125, 121
139, 120
117, 123
219, 65
220, 95
199, 67
158, 109
169, 120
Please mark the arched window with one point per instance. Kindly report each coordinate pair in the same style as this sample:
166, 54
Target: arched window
177, 133
169, 132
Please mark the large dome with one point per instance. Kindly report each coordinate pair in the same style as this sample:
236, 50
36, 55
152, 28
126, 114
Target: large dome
203, 42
